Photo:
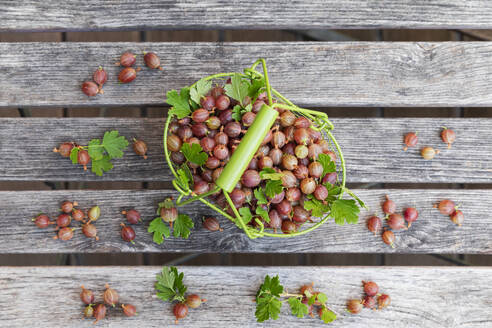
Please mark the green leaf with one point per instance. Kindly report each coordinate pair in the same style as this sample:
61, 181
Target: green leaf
255, 88
114, 144
298, 308
183, 180
245, 215
194, 153
273, 187
167, 203
170, 285
271, 286
102, 165
361, 203
199, 90
334, 190
327, 316
179, 102
317, 208
167, 278
247, 108
95, 150
312, 299
345, 210
260, 196
238, 89
182, 226
268, 308
179, 287
263, 213
328, 165
270, 174
73, 155
322, 298
164, 293
236, 113
159, 229
268, 303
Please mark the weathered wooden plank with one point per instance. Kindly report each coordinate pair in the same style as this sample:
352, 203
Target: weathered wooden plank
432, 233
218, 14
372, 149
345, 73
420, 296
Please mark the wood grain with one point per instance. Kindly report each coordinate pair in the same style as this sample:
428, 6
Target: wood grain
411, 74
432, 233
420, 296
372, 148
95, 15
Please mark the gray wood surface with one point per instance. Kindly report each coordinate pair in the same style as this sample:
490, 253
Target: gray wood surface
312, 74
372, 149
432, 233
220, 14
420, 296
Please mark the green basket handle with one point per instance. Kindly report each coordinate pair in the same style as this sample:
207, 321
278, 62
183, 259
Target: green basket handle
247, 148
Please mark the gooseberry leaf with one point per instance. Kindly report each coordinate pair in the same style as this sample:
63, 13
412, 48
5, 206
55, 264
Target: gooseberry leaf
273, 187
328, 165
159, 229
193, 153
182, 226
345, 210
102, 165
260, 196
199, 90
298, 308
179, 102
238, 88
114, 144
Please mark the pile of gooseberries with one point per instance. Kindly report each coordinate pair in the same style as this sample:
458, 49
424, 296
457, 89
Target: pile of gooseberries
393, 220
64, 220
372, 299
291, 148
99, 310
447, 207
127, 232
410, 139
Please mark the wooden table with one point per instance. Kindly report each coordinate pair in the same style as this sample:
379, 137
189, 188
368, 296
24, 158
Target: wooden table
311, 74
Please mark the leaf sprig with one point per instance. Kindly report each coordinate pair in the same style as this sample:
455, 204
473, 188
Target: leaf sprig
161, 229
170, 285
102, 151
269, 299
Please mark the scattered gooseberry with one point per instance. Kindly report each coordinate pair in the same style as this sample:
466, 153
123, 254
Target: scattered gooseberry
127, 59
457, 217
410, 140
140, 147
212, 224
180, 311
152, 60
448, 136
110, 296
129, 310
428, 153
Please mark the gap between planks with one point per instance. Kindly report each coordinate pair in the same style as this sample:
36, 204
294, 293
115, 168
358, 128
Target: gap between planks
93, 15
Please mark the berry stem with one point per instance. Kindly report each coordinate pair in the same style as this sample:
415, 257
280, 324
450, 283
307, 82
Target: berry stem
290, 295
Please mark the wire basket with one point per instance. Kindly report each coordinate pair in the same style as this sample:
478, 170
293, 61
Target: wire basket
248, 147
